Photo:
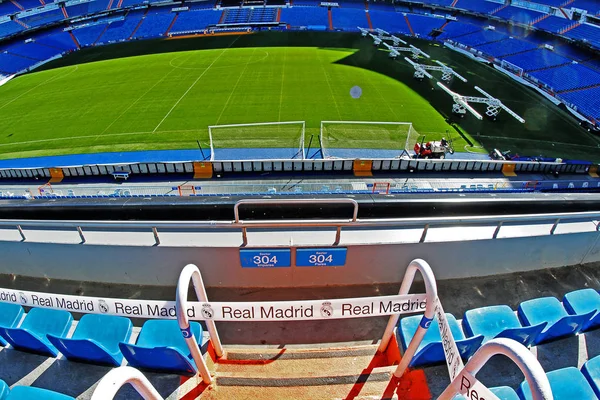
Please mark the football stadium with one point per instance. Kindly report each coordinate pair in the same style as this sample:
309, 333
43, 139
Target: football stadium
299, 199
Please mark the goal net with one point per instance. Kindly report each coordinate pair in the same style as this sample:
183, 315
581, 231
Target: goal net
515, 69
268, 140
337, 137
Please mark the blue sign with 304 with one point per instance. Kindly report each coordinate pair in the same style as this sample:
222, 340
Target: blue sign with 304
265, 258
335, 257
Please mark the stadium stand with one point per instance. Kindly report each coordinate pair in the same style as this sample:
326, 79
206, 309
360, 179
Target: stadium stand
566, 383
586, 33
567, 77
8, 28
88, 34
552, 24
506, 47
10, 64
57, 39
118, 31
311, 17
8, 7
518, 14
32, 51
477, 6
75, 9
586, 101
348, 19
388, 21
29, 392
537, 59
29, 4
154, 24
194, 21
42, 18
249, 16
581, 302
481, 37
423, 25
457, 29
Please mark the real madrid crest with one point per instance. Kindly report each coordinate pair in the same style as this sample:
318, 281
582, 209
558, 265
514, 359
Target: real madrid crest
326, 309
207, 311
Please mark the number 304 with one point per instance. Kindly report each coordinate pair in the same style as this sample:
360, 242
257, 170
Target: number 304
320, 258
260, 260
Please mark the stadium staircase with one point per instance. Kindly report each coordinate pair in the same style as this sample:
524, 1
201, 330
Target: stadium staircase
369, 20
564, 13
441, 28
409, 27
64, 11
171, 25
17, 5
330, 19
75, 40
454, 3
345, 372
278, 18
110, 3
569, 28
139, 24
223, 15
540, 19
497, 10
101, 34
120, 4
23, 24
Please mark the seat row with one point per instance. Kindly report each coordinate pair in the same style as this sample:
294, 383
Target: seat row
98, 338
29, 392
536, 321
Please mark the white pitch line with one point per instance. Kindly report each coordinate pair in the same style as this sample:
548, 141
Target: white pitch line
191, 86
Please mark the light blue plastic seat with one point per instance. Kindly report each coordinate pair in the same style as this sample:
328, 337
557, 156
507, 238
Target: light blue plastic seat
551, 311
566, 384
96, 339
582, 302
161, 347
31, 335
33, 393
3, 390
502, 392
591, 371
10, 316
499, 322
430, 351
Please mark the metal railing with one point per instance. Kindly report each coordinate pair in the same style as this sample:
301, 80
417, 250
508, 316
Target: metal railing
516, 352
425, 224
111, 383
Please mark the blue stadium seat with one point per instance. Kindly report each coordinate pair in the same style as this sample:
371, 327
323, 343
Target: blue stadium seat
96, 339
430, 351
160, 346
31, 335
31, 393
502, 392
581, 302
591, 371
499, 321
551, 311
3, 390
10, 316
566, 384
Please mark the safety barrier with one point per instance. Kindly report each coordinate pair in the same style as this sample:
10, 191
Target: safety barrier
110, 384
274, 166
425, 224
465, 382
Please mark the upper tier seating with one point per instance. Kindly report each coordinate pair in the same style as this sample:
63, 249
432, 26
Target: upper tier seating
8, 7
8, 28
388, 21
87, 8
537, 59
481, 37
160, 346
31, 334
43, 18
120, 30
29, 4
553, 24
195, 21
348, 19
585, 32
505, 47
423, 25
478, 6
566, 384
155, 24
10, 316
568, 77
457, 29
431, 351
517, 14
96, 339
550, 311
305, 16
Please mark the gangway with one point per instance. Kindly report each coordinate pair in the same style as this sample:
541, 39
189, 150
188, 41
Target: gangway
494, 106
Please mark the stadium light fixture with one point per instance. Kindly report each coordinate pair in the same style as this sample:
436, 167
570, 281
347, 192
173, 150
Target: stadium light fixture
415, 52
494, 106
421, 70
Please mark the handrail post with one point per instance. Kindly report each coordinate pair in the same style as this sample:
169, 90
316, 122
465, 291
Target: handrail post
431, 291
21, 232
192, 273
424, 234
497, 231
519, 354
156, 238
554, 226
111, 383
81, 234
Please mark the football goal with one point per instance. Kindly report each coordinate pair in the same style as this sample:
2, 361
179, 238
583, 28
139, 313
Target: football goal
337, 137
267, 140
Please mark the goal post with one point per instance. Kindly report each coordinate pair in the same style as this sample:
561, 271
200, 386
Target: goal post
263, 135
373, 135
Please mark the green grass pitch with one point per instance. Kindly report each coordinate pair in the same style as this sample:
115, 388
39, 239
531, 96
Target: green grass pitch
121, 98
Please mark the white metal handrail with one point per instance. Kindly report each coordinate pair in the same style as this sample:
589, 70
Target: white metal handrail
425, 223
431, 291
111, 383
523, 358
192, 273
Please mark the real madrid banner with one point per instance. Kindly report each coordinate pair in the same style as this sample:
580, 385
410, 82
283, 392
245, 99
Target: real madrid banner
225, 311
